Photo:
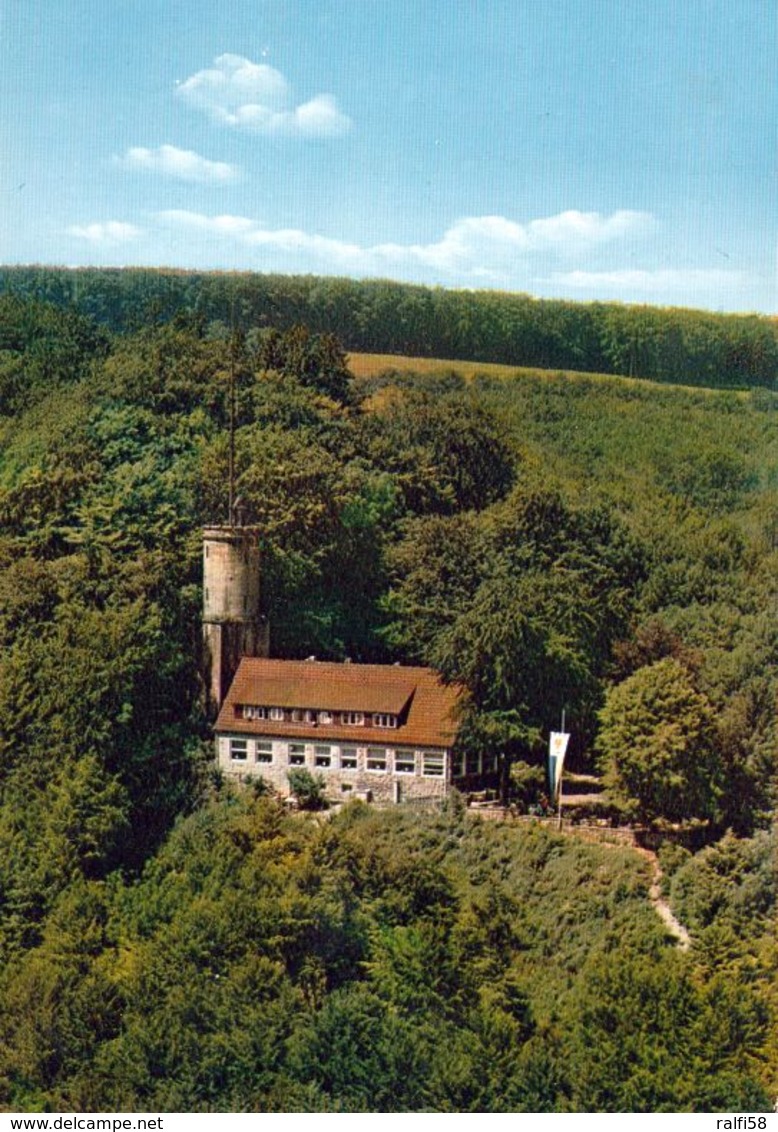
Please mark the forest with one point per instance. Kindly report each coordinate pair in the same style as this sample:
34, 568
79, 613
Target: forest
548, 539
661, 344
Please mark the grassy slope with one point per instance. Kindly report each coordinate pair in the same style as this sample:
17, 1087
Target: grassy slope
569, 899
623, 438
365, 366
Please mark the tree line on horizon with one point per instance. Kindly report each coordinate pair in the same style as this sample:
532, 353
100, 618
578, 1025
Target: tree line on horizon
664, 344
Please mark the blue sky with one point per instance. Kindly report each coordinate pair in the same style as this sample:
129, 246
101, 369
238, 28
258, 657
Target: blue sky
585, 149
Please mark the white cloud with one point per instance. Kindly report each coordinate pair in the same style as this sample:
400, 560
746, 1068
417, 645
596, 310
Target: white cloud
479, 248
250, 233
257, 98
320, 117
476, 243
577, 231
476, 251
488, 246
224, 225
106, 232
663, 285
294, 240
183, 164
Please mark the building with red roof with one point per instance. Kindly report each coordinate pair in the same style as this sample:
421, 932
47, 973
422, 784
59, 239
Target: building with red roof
381, 732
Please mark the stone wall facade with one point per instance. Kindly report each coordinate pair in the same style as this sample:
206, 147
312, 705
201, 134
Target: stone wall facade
233, 626
381, 774
230, 574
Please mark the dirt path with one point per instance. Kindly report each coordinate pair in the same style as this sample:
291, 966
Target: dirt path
658, 902
661, 907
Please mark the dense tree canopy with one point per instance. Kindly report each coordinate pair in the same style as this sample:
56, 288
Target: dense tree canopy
658, 745
168, 944
667, 345
375, 962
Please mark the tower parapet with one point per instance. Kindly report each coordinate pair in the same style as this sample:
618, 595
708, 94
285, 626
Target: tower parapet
233, 625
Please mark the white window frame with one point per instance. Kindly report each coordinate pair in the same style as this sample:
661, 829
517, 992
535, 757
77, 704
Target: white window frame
239, 750
277, 714
262, 750
296, 754
326, 718
433, 764
352, 718
384, 719
349, 753
303, 715
320, 752
404, 762
377, 754
254, 711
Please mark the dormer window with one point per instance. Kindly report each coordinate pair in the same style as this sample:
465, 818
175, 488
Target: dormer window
277, 714
352, 718
326, 717
383, 719
303, 715
253, 711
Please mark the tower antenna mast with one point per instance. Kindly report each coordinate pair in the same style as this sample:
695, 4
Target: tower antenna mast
231, 500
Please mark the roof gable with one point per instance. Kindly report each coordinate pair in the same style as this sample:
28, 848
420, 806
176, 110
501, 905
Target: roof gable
423, 705
324, 686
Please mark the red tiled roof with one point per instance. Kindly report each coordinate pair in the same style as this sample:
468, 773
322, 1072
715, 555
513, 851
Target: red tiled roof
424, 704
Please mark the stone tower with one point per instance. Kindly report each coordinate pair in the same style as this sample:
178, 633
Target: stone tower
233, 626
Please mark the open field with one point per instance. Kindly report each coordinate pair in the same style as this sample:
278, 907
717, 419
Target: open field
365, 366
371, 365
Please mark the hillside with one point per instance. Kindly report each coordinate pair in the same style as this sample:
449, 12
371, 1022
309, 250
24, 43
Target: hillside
550, 542
379, 962
662, 344
365, 367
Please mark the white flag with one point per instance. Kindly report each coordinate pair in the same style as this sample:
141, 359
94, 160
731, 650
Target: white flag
557, 748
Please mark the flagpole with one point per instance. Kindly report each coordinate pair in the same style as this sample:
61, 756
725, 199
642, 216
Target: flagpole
561, 771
